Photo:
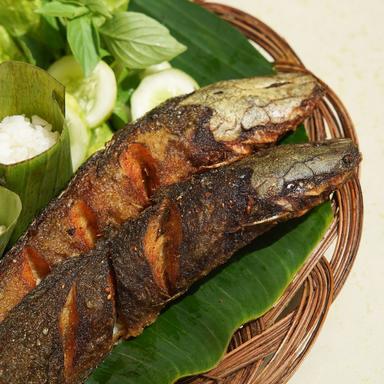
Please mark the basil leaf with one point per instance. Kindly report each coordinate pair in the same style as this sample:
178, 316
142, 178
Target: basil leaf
97, 7
73, 2
98, 20
57, 9
117, 5
82, 41
96, 38
103, 53
139, 41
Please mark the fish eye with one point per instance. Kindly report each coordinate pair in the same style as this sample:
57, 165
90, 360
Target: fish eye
347, 160
295, 186
291, 186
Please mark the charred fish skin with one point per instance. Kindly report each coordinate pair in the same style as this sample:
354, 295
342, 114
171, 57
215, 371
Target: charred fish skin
181, 137
192, 227
64, 326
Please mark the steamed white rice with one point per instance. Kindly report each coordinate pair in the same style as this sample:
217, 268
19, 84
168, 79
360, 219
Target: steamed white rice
22, 138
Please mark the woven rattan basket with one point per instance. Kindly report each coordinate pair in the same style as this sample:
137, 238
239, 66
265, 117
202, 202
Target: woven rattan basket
269, 350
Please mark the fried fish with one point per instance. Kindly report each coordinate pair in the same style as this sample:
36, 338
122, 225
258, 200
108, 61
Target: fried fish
213, 126
67, 325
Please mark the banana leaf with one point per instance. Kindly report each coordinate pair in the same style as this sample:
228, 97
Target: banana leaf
26, 89
9, 213
192, 335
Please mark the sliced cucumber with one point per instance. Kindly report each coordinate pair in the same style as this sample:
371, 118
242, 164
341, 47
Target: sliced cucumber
95, 94
156, 68
78, 131
99, 137
156, 88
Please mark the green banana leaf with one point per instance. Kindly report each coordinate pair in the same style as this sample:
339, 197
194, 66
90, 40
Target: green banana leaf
192, 335
9, 213
26, 89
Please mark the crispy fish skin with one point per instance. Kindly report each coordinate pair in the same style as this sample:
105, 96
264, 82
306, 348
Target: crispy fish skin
192, 227
174, 141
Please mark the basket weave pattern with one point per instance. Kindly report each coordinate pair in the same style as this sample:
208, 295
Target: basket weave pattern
269, 349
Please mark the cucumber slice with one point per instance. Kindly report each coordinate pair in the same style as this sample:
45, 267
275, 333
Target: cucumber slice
95, 94
78, 131
156, 88
99, 137
156, 68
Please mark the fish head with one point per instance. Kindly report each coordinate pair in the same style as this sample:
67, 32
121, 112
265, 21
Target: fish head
257, 111
294, 178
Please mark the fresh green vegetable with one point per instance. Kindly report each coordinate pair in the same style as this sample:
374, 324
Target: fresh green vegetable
156, 68
36, 180
82, 40
18, 17
191, 336
131, 38
10, 208
121, 112
43, 32
158, 87
38, 37
138, 41
127, 83
8, 49
99, 136
117, 5
79, 132
96, 94
59, 9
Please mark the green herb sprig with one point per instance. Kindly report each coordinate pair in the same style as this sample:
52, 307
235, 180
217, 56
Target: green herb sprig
98, 28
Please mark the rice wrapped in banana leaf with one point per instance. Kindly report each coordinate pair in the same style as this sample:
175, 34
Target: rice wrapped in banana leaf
25, 93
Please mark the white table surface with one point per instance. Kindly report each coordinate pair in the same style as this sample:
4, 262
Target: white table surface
342, 41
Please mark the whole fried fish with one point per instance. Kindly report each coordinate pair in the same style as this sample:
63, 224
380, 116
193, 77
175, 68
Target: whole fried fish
65, 327
213, 126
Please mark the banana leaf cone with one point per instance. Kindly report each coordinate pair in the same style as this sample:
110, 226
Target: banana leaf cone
28, 90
